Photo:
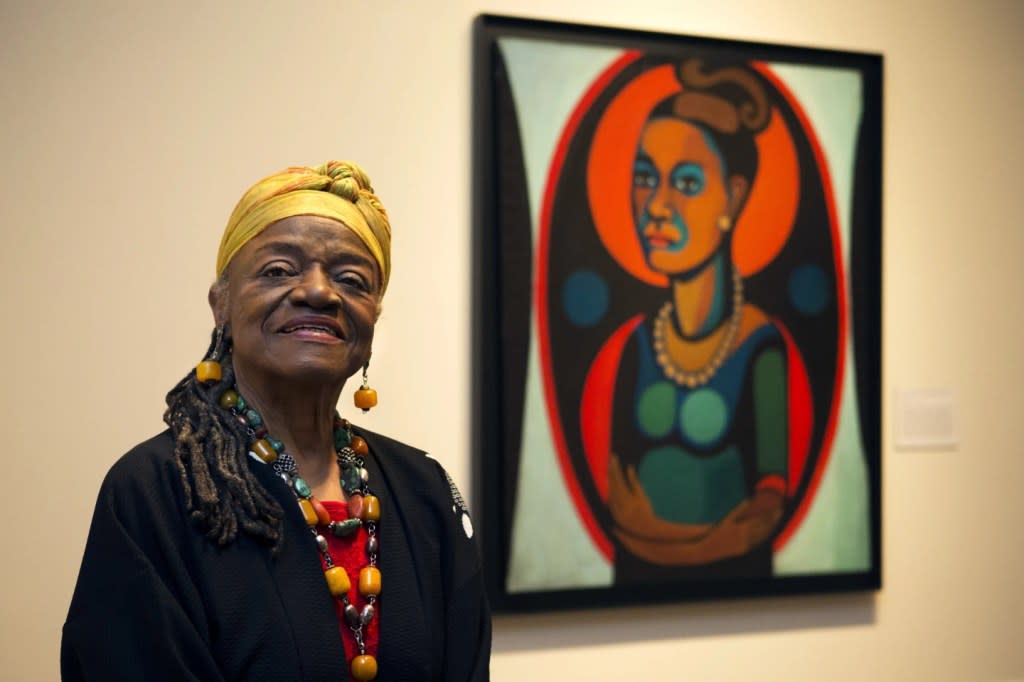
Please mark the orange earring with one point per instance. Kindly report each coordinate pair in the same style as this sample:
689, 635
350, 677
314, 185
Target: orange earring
209, 370
365, 397
724, 223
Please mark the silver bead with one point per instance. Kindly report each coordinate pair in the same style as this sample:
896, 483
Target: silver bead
321, 542
366, 615
364, 475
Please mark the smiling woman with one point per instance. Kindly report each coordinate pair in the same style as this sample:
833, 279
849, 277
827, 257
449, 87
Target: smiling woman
249, 540
278, 297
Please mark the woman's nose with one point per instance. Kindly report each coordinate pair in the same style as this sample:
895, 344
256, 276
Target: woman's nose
317, 289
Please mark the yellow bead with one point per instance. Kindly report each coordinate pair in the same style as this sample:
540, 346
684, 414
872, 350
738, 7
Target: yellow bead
208, 371
337, 581
369, 581
264, 450
366, 398
364, 667
308, 512
371, 508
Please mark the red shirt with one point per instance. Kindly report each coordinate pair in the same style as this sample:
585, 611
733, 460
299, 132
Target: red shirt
350, 553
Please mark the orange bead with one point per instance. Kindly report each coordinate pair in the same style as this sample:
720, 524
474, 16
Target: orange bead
366, 398
308, 513
369, 581
322, 515
264, 450
359, 446
337, 581
355, 506
208, 371
371, 508
364, 667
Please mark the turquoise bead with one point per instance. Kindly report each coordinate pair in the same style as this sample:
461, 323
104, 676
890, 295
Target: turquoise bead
350, 479
240, 404
276, 444
302, 488
342, 439
254, 418
345, 528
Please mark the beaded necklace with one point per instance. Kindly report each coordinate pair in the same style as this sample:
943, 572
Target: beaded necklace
694, 378
364, 509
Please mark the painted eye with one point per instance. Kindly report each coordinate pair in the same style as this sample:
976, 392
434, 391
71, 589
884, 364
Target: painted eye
644, 176
688, 179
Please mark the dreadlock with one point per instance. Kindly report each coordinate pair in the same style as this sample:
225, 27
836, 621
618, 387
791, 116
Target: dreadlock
210, 446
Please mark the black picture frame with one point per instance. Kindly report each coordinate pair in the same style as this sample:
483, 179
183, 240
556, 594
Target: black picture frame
544, 101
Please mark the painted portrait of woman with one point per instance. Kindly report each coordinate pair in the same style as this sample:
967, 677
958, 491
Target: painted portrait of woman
691, 363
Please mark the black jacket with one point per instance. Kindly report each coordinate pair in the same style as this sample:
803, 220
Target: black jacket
156, 600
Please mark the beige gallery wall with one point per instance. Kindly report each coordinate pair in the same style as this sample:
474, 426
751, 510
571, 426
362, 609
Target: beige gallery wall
129, 129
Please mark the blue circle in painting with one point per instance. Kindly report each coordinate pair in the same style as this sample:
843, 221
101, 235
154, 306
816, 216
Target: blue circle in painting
585, 298
808, 290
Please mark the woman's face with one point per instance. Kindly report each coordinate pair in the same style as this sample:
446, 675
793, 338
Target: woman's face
679, 195
300, 303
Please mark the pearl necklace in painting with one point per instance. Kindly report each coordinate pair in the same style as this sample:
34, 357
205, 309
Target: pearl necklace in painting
699, 377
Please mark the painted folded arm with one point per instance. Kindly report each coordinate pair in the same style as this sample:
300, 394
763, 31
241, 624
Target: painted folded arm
667, 543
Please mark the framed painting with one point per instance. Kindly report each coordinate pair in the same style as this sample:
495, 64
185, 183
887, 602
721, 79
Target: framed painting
677, 316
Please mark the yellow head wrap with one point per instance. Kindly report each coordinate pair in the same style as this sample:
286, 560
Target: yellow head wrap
337, 189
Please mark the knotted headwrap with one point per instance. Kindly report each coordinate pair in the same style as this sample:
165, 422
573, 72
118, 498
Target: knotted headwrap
339, 190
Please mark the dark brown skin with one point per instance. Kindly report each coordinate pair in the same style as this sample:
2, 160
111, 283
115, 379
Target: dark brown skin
299, 274
667, 543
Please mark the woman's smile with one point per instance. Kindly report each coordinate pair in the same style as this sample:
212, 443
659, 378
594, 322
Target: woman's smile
314, 328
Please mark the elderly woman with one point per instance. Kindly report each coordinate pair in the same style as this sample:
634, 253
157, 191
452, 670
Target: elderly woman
251, 538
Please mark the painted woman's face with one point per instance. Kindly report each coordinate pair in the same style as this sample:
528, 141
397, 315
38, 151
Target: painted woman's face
679, 195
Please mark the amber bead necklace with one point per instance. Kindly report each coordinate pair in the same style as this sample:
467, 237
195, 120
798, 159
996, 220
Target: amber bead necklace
364, 509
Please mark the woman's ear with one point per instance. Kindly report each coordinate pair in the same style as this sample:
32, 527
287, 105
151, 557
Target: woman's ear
738, 188
218, 298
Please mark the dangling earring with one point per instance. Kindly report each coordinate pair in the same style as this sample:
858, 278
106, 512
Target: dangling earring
209, 370
365, 397
724, 223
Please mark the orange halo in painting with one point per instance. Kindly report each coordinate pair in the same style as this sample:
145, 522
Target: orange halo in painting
765, 222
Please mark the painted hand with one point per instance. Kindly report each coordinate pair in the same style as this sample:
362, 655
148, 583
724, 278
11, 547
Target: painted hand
762, 515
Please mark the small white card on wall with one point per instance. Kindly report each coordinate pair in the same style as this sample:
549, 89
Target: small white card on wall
926, 418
